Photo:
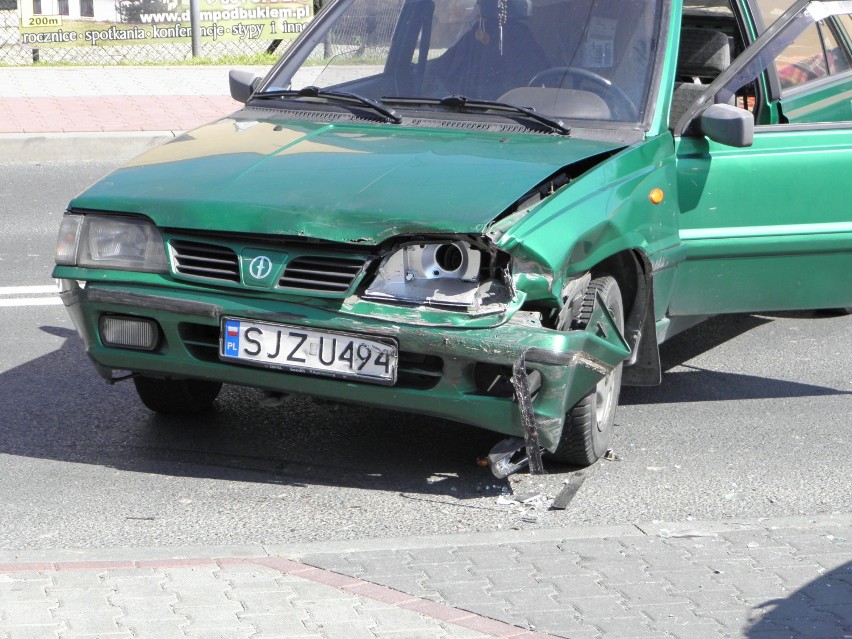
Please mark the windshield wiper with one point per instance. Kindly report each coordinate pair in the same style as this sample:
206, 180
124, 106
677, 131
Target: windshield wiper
461, 102
342, 97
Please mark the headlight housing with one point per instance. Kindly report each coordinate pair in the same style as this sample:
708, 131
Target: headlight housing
450, 273
112, 242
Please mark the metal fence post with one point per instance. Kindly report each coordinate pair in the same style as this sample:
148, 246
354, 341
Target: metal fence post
195, 27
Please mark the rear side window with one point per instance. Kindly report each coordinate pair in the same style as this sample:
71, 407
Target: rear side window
817, 53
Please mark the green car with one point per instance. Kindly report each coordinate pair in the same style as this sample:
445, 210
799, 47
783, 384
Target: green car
489, 211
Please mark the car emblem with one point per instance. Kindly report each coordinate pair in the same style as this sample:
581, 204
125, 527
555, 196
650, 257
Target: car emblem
260, 267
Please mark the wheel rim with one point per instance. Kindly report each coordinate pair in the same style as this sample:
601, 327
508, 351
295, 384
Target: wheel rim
604, 399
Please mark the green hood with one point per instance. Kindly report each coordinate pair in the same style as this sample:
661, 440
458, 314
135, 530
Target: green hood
339, 182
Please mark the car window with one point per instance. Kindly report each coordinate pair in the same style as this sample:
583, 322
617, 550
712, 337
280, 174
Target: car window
572, 59
814, 55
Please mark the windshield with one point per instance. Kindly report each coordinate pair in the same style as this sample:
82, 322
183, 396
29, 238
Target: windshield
568, 59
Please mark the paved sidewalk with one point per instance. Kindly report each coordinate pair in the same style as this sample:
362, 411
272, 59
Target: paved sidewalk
761, 580
95, 99
60, 113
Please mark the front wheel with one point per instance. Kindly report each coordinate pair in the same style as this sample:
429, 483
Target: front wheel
588, 425
176, 396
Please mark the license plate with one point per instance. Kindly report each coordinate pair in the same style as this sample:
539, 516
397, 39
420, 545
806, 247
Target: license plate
302, 350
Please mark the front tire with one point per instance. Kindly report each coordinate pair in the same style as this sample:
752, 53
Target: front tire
176, 396
588, 425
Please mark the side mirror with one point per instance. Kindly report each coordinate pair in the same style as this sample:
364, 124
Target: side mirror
727, 124
242, 84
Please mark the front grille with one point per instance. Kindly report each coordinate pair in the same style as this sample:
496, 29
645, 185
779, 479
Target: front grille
321, 274
209, 261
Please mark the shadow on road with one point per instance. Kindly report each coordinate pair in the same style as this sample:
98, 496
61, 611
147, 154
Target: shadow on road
696, 384
822, 608
82, 419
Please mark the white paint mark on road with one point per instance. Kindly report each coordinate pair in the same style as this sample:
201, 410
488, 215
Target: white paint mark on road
29, 296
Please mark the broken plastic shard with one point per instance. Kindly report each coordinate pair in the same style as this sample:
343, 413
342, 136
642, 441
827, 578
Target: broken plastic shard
611, 455
531, 517
271, 399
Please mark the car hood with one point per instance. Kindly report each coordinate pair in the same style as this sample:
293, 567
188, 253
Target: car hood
343, 182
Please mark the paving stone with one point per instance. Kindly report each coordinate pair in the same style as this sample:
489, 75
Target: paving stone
603, 607
542, 549
345, 610
344, 630
384, 566
579, 586
22, 591
448, 572
716, 600
617, 628
735, 622
335, 563
756, 586
139, 587
410, 584
122, 634
426, 556
213, 632
691, 580
200, 595
828, 592
280, 625
559, 567
508, 580
211, 614
156, 628
160, 607
700, 547
818, 542
20, 613
758, 537
625, 571
466, 594
310, 591
648, 594
263, 602
49, 631
91, 599
563, 621
90, 622
411, 633
593, 549
775, 556
532, 599
699, 631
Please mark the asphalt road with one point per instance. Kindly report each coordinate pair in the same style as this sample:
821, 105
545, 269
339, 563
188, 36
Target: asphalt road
752, 420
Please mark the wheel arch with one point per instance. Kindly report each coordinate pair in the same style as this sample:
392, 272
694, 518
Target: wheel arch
632, 270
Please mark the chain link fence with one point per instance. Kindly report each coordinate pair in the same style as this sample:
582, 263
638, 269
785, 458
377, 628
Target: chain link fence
13, 53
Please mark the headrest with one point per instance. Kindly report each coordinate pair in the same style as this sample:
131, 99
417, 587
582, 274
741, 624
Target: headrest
515, 9
703, 53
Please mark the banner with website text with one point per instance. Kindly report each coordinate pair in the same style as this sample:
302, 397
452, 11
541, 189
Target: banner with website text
120, 22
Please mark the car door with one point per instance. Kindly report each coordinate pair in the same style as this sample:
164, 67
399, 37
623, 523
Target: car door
769, 226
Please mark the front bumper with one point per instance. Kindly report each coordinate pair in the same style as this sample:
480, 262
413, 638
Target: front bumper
436, 363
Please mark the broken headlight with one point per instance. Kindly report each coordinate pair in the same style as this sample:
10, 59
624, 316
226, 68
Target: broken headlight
100, 241
454, 274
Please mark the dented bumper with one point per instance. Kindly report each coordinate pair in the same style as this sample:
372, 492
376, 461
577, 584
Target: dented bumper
440, 367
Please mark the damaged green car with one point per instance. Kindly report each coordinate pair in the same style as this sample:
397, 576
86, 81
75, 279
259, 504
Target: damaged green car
489, 211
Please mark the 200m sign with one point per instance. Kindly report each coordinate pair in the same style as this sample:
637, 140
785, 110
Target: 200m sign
298, 349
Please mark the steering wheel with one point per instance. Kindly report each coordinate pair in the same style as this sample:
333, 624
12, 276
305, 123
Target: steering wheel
623, 106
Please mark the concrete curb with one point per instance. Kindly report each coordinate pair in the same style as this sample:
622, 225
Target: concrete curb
53, 147
296, 551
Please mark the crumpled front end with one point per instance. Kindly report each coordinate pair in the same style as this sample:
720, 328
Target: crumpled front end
461, 374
